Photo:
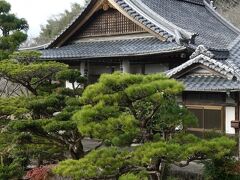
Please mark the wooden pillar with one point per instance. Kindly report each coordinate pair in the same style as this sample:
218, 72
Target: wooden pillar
84, 69
125, 66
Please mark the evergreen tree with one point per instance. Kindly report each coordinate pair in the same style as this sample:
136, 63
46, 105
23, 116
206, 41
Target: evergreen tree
12, 30
123, 110
131, 108
32, 127
24, 69
146, 160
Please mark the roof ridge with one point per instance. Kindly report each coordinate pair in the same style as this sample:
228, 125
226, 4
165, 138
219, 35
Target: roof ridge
197, 2
124, 6
38, 47
139, 15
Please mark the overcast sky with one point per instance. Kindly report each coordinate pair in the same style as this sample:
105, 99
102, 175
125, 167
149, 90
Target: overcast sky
36, 12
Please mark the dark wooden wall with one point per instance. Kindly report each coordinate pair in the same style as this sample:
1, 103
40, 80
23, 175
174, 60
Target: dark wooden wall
110, 22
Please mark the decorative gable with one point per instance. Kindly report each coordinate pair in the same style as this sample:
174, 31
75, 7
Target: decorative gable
113, 17
108, 22
199, 70
202, 59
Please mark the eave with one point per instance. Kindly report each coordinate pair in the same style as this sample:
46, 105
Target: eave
113, 47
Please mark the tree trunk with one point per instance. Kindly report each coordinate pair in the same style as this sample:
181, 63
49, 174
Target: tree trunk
39, 161
162, 168
155, 176
76, 150
31, 89
146, 135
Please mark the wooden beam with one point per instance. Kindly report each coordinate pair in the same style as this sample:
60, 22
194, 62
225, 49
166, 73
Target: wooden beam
114, 4
95, 8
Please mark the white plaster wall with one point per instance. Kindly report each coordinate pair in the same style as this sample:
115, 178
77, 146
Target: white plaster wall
82, 68
126, 66
230, 116
69, 85
155, 68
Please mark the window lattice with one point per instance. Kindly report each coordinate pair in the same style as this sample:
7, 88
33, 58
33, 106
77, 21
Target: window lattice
108, 23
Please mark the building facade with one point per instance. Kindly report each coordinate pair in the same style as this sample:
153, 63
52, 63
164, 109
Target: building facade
185, 39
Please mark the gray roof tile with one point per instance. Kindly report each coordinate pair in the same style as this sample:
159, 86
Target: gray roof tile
111, 48
209, 83
189, 17
228, 78
234, 56
130, 9
195, 17
204, 57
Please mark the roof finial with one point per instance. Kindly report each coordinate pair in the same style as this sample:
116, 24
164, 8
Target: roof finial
212, 4
105, 5
202, 50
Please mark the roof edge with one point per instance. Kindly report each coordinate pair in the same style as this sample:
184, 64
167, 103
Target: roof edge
85, 9
165, 24
138, 16
194, 2
39, 47
223, 20
234, 43
164, 51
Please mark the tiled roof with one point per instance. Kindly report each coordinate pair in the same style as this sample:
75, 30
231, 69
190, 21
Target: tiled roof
234, 56
226, 79
126, 7
204, 57
138, 15
221, 54
213, 31
111, 48
209, 83
174, 20
199, 2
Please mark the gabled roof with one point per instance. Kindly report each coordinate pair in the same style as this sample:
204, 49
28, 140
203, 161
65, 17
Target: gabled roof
221, 78
204, 57
125, 7
146, 16
196, 16
168, 20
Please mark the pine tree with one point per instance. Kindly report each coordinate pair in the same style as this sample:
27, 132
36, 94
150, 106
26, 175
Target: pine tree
12, 30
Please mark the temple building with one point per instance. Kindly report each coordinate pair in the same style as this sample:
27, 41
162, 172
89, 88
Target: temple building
185, 39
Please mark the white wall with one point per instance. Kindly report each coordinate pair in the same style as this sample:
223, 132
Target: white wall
230, 116
126, 66
69, 85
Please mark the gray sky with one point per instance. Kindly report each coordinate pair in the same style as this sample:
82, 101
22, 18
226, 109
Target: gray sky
36, 12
